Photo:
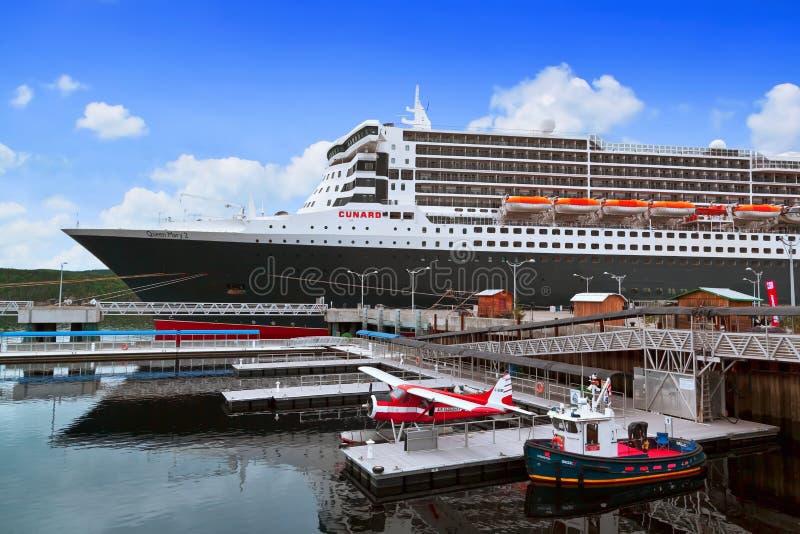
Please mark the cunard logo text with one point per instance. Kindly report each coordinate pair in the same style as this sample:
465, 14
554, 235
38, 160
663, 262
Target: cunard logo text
360, 214
168, 235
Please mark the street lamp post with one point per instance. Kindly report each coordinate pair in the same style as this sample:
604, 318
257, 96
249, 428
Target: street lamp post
752, 282
757, 282
362, 276
788, 246
61, 282
514, 266
413, 274
619, 278
587, 278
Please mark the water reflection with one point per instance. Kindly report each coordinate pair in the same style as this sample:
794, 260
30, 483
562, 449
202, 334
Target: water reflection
162, 455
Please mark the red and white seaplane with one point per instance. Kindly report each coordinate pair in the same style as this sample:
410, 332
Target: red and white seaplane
409, 403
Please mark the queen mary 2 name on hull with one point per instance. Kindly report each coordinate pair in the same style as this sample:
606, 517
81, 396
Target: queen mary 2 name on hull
466, 205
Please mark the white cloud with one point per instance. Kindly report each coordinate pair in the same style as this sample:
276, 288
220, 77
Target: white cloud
22, 97
111, 122
11, 209
204, 186
31, 243
59, 203
557, 94
10, 159
719, 116
141, 206
66, 84
776, 128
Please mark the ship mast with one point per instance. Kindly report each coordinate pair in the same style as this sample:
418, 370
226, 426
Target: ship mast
420, 120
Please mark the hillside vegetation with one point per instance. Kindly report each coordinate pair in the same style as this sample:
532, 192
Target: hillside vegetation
100, 284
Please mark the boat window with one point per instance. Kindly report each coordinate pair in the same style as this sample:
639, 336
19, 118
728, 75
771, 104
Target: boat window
558, 424
591, 434
571, 427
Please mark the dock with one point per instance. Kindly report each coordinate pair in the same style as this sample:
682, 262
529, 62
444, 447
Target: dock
301, 367
311, 396
480, 456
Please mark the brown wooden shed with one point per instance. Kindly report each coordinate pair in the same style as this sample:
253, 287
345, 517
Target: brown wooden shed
495, 303
595, 303
721, 297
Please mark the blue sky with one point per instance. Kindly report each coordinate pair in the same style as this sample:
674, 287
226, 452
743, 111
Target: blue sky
216, 98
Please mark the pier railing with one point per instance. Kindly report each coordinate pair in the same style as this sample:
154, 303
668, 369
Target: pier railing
133, 344
730, 345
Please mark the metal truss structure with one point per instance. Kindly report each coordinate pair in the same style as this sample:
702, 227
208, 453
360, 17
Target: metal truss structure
11, 307
706, 344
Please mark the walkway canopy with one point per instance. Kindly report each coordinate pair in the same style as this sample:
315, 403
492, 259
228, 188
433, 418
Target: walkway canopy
376, 335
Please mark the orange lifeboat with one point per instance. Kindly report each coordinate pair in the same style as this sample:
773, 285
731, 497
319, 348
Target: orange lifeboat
712, 210
756, 212
527, 204
624, 207
577, 206
665, 208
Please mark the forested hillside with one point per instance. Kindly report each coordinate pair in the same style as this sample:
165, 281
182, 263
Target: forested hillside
41, 285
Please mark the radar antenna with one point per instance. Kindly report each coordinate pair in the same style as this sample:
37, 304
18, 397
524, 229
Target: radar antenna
420, 120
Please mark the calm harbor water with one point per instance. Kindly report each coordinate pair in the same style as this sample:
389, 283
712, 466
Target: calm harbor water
160, 455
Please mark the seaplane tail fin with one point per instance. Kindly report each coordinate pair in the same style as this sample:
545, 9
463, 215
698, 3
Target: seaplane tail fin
500, 396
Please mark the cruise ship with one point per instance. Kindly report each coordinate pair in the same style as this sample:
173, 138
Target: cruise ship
445, 214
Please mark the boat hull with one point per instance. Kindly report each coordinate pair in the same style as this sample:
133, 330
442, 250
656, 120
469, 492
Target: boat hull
303, 273
519, 207
550, 465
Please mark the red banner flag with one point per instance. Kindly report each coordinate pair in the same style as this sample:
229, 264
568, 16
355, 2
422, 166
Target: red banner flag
772, 298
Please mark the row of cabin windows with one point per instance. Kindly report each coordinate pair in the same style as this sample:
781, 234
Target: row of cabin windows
623, 246
623, 233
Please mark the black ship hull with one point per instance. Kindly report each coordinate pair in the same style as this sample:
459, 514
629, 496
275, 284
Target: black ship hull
230, 271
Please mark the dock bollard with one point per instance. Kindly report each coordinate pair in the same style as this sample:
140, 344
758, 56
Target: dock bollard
278, 385
370, 452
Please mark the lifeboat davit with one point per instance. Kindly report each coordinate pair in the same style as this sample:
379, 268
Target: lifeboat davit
666, 208
756, 212
714, 210
577, 206
791, 215
624, 207
527, 204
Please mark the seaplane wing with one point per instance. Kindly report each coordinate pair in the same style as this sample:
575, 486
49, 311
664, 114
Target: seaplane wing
443, 398
393, 381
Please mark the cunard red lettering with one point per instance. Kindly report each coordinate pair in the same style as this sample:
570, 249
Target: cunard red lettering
360, 214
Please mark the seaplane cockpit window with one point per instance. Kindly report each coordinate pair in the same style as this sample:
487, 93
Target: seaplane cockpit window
398, 395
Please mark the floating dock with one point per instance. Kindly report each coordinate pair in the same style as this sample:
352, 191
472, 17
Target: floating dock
301, 367
496, 456
313, 396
